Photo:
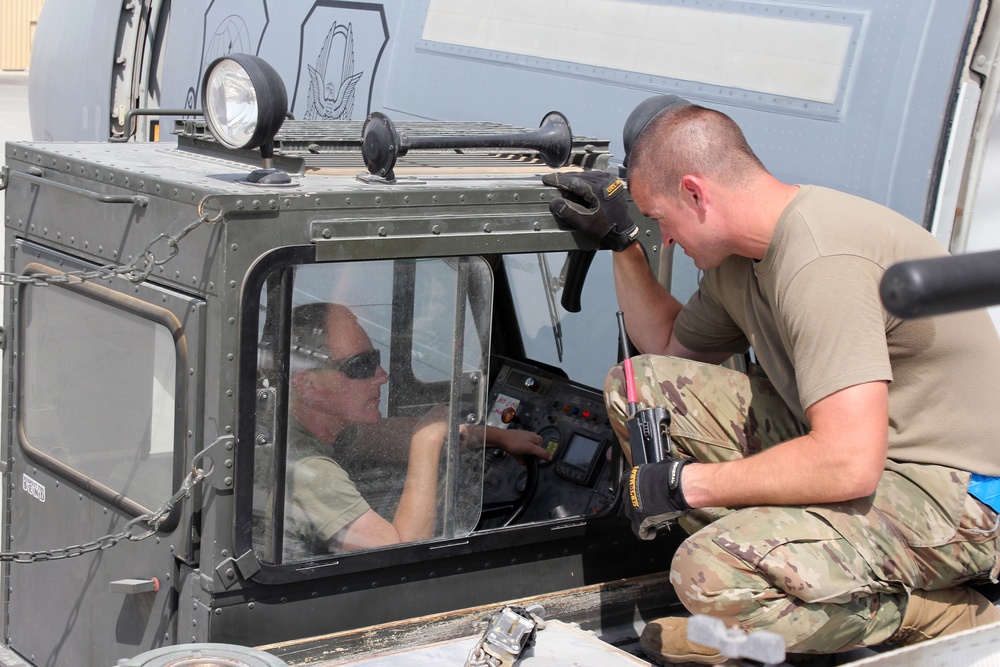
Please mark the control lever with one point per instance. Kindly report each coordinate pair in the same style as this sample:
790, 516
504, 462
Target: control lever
646, 427
575, 273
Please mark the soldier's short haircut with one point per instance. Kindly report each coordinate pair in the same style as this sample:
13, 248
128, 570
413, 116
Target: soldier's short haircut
692, 140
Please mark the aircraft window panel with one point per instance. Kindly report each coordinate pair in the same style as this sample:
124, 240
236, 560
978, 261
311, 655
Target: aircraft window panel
732, 44
347, 461
100, 389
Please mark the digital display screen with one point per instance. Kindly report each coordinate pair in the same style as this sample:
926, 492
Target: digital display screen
580, 451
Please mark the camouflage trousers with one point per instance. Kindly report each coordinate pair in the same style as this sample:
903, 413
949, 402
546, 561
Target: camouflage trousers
828, 577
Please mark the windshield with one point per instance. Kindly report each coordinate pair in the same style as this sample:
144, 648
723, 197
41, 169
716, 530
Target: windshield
375, 369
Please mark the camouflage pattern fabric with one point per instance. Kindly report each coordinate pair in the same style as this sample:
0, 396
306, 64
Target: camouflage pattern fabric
829, 577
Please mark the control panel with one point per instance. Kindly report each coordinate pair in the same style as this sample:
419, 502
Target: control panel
574, 426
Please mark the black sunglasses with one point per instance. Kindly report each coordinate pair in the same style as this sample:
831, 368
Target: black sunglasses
361, 366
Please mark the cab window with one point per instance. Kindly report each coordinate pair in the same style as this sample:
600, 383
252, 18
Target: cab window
374, 371
101, 390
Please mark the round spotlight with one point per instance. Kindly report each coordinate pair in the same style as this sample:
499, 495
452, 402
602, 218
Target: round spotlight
244, 101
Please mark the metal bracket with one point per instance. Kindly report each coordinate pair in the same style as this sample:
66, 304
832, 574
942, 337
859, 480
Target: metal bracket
985, 53
245, 566
132, 113
267, 400
135, 586
510, 633
219, 463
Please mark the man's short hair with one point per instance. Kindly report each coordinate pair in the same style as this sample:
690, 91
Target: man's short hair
311, 323
692, 139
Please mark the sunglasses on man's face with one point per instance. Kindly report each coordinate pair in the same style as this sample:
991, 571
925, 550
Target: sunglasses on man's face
361, 366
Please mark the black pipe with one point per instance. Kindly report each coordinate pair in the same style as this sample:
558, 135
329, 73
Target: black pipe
939, 285
381, 143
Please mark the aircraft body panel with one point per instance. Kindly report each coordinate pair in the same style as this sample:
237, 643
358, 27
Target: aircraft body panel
69, 93
876, 126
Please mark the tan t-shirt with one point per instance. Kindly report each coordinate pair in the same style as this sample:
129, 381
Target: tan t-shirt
320, 498
812, 312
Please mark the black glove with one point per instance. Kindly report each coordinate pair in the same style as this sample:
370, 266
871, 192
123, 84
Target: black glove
653, 495
595, 205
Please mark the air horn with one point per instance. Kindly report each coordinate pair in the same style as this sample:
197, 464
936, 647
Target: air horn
382, 144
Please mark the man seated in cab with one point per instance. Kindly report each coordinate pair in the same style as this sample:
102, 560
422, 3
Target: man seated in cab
838, 501
335, 390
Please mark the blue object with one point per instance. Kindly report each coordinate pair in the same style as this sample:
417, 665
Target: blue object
986, 490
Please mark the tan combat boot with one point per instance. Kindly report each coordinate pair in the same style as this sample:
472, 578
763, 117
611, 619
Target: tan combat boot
665, 641
931, 614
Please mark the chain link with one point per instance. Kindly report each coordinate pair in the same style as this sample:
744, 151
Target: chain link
150, 525
136, 271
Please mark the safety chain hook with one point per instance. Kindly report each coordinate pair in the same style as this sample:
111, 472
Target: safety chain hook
137, 270
147, 524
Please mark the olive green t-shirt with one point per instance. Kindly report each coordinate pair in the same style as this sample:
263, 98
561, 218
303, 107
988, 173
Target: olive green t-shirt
320, 498
812, 313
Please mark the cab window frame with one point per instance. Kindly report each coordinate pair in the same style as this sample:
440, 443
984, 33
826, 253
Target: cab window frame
276, 572
420, 560
139, 308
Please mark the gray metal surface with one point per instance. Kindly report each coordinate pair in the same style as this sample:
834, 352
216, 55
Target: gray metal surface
880, 138
881, 143
64, 513
979, 647
80, 69
559, 644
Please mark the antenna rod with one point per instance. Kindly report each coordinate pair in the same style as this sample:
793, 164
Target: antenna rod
633, 405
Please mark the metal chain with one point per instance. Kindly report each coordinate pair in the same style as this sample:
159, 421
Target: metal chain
151, 520
478, 657
136, 271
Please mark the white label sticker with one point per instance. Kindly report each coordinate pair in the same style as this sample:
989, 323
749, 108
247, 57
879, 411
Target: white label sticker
32, 487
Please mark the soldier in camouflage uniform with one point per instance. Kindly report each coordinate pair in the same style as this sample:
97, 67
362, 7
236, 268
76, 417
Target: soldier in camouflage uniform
828, 501
855, 555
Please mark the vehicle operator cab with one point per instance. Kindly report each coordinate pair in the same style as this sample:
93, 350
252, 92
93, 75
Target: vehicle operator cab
430, 322
425, 333
334, 351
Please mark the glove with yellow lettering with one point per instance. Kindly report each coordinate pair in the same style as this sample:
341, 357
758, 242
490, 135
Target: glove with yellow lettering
594, 202
653, 495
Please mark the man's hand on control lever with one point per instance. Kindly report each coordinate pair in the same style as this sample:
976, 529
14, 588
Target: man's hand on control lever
653, 495
594, 202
